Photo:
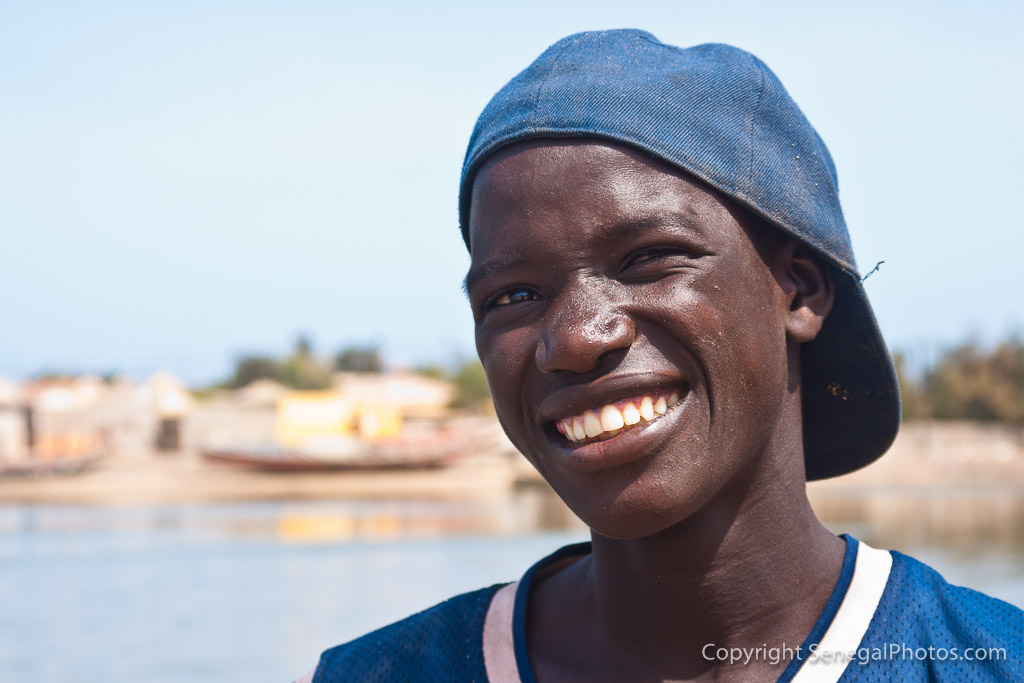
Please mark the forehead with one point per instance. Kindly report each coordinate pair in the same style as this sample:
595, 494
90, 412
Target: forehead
536, 169
590, 186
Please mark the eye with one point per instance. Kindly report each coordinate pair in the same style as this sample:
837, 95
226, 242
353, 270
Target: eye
642, 257
646, 257
516, 295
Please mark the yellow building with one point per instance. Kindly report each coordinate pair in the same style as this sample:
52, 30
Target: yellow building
329, 418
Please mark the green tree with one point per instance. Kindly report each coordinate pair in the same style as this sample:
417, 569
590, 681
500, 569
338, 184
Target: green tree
471, 390
248, 369
433, 371
303, 346
305, 373
301, 370
913, 402
969, 382
359, 359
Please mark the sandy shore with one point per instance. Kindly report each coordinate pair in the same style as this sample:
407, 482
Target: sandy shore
925, 457
185, 477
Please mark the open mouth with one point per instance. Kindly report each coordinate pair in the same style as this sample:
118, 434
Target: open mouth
609, 420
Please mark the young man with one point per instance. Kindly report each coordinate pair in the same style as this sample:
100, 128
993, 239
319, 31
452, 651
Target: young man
676, 336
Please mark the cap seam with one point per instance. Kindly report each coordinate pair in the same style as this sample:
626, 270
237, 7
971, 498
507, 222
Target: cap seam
544, 81
653, 40
748, 182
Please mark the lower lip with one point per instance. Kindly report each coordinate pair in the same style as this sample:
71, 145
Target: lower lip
625, 447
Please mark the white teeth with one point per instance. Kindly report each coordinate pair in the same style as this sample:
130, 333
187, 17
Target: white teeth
611, 419
647, 408
591, 424
565, 426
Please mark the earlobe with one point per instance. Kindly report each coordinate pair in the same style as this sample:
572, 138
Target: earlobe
807, 283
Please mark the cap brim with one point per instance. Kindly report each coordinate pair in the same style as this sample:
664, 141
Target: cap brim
851, 399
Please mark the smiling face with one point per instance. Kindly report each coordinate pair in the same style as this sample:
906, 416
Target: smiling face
638, 347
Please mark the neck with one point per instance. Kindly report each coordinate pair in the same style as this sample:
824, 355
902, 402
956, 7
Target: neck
754, 569
737, 576
744, 574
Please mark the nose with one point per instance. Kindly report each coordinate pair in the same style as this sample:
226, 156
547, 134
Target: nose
582, 327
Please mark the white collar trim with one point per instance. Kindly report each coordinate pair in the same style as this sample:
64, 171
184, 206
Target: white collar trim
844, 635
841, 640
499, 642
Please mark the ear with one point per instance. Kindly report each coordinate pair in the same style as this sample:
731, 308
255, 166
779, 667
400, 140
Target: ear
806, 283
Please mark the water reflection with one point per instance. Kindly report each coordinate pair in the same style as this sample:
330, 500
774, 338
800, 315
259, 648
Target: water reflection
967, 521
531, 508
964, 520
253, 591
973, 536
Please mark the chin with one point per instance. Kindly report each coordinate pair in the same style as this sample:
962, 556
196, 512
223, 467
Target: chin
650, 504
628, 528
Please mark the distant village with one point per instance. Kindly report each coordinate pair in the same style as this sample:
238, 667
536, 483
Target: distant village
964, 419
344, 410
76, 418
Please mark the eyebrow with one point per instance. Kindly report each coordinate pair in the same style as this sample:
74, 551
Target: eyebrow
629, 227
489, 268
612, 233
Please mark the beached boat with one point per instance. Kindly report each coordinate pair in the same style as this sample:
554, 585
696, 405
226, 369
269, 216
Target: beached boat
414, 449
49, 467
297, 461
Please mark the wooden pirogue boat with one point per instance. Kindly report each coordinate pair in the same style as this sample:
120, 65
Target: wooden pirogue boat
50, 467
417, 450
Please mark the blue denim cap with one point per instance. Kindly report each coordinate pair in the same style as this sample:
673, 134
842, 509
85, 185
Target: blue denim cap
720, 114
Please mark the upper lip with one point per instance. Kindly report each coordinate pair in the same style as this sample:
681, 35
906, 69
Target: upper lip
575, 399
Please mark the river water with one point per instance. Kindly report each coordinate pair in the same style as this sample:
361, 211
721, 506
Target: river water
254, 591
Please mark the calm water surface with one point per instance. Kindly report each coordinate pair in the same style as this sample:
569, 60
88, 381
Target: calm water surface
253, 592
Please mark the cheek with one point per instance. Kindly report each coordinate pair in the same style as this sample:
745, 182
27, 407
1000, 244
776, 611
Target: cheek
736, 339
747, 378
506, 358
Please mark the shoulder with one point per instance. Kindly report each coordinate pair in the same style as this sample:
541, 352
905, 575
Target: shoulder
928, 629
442, 643
920, 593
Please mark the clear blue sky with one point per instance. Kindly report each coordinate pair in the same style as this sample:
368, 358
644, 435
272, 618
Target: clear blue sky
181, 182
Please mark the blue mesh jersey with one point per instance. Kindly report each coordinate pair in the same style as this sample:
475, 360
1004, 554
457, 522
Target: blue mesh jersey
443, 643
919, 609
890, 618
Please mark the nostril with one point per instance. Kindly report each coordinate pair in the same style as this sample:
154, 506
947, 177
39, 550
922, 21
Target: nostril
580, 346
